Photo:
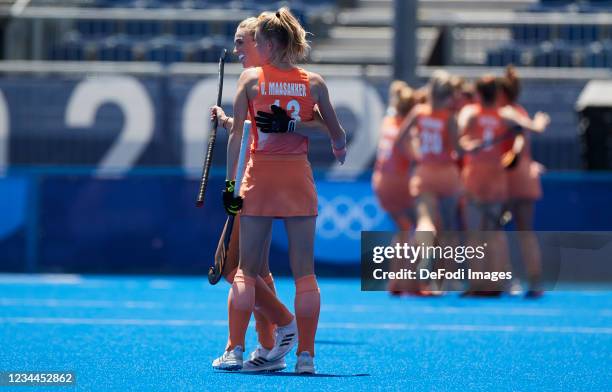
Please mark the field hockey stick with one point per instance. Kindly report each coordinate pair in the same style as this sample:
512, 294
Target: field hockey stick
216, 271
213, 135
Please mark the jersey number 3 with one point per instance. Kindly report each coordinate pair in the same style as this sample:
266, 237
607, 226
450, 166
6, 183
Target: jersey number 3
293, 107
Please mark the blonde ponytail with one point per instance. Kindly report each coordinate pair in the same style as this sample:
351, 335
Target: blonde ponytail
282, 27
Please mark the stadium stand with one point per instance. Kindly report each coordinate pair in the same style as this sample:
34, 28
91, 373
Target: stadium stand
549, 33
560, 45
541, 36
55, 29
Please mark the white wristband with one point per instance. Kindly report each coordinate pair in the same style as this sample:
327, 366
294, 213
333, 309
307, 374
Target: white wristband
291, 126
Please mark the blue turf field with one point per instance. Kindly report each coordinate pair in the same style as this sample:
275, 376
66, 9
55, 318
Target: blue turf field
143, 333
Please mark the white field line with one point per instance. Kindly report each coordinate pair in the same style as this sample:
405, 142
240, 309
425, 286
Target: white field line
84, 282
351, 326
77, 303
42, 279
407, 309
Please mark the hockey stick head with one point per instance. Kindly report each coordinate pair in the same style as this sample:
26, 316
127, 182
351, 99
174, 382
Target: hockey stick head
215, 272
214, 275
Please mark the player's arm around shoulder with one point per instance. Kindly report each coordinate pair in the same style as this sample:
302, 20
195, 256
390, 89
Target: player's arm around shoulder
514, 118
320, 94
314, 126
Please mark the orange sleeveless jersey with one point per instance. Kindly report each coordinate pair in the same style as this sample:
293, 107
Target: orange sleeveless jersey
434, 140
291, 91
389, 158
487, 126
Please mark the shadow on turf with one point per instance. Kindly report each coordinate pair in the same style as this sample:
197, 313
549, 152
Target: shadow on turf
293, 374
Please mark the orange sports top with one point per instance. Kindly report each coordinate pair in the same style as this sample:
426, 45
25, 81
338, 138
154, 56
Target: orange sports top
432, 130
487, 126
289, 89
390, 158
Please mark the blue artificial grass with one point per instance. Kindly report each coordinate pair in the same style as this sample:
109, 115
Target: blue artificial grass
152, 333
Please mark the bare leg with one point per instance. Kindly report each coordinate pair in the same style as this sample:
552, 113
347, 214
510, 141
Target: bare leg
247, 284
530, 248
483, 229
402, 221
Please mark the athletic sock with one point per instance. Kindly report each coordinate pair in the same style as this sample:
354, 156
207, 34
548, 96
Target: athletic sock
264, 327
240, 303
307, 307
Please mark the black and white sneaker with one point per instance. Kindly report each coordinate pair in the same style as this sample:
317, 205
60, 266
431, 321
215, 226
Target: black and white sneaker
305, 364
230, 360
258, 362
285, 339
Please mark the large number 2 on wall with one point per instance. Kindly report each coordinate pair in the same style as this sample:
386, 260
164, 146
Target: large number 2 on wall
133, 100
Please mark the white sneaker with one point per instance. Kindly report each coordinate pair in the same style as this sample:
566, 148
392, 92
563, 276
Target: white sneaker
284, 339
259, 363
305, 364
230, 360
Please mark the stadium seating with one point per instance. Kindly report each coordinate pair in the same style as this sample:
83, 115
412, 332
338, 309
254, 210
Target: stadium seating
116, 48
165, 41
557, 54
599, 55
121, 47
72, 49
539, 45
545, 45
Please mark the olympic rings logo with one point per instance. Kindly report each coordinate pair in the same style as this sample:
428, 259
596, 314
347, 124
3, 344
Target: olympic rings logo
345, 216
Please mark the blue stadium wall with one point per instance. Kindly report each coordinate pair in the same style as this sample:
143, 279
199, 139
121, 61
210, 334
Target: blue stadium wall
100, 174
118, 122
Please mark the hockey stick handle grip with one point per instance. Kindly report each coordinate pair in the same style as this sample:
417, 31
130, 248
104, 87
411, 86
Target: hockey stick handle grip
244, 146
